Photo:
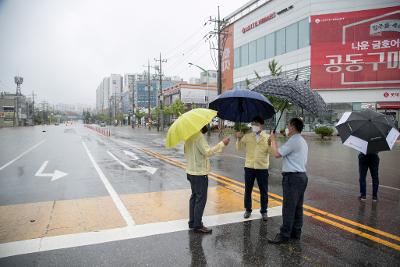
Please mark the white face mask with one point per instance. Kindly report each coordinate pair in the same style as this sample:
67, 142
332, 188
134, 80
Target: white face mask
255, 128
287, 131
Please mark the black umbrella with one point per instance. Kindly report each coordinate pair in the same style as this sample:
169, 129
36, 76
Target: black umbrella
293, 91
367, 131
242, 106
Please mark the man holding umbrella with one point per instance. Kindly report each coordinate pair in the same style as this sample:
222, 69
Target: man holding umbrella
197, 153
190, 128
256, 164
368, 132
294, 158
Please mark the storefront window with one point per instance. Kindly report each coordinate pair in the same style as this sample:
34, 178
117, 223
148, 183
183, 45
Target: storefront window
236, 58
244, 55
261, 49
304, 33
280, 42
270, 45
252, 52
291, 38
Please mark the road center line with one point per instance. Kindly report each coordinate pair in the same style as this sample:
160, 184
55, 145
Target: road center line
117, 201
21, 155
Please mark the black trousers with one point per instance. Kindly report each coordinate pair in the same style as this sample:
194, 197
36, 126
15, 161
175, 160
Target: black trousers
262, 180
198, 199
294, 185
371, 162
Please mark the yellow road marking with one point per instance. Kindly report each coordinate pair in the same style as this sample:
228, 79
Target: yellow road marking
236, 184
173, 205
51, 218
354, 231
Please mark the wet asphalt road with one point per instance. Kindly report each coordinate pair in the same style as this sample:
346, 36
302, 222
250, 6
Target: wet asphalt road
333, 176
333, 188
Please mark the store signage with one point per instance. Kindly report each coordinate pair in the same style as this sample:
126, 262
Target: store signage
391, 94
265, 19
356, 49
388, 105
258, 22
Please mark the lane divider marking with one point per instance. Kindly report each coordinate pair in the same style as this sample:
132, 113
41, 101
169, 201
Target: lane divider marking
22, 154
117, 201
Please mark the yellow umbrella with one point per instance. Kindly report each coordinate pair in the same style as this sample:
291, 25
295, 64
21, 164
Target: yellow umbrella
188, 124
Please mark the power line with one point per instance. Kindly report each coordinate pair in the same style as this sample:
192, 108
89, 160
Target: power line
184, 41
185, 56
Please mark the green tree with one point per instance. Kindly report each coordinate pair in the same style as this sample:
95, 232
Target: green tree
324, 131
87, 117
168, 110
139, 115
178, 108
102, 117
279, 104
119, 117
155, 112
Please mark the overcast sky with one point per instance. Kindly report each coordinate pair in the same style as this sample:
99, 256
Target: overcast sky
63, 49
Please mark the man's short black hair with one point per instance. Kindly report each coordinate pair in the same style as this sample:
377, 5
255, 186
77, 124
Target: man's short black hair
258, 119
297, 123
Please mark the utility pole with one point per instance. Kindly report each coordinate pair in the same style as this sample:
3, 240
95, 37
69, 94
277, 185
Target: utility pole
33, 107
220, 32
115, 105
133, 101
220, 51
148, 88
160, 115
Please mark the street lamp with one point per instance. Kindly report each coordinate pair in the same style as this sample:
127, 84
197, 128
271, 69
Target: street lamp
208, 76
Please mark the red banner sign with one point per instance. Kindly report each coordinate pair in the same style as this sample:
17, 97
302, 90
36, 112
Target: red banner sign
227, 59
356, 49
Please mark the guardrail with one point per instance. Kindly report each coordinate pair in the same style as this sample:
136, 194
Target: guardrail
102, 131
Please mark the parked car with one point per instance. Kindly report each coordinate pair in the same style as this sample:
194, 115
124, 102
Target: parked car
102, 124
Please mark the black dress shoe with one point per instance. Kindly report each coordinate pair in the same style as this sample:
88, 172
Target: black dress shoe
278, 240
247, 214
264, 216
203, 230
295, 236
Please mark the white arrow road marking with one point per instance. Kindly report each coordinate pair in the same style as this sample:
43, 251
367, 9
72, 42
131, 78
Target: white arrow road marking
150, 170
54, 176
21, 155
131, 154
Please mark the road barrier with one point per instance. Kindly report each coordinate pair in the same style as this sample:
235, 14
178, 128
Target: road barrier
102, 131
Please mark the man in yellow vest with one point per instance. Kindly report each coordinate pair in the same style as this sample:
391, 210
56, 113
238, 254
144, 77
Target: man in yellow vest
257, 149
197, 153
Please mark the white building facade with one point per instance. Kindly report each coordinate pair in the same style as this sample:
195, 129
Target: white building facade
349, 51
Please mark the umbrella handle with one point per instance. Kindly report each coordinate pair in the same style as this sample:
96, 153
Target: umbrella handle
284, 106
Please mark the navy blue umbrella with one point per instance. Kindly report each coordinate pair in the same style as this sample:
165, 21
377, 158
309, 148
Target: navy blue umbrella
242, 106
